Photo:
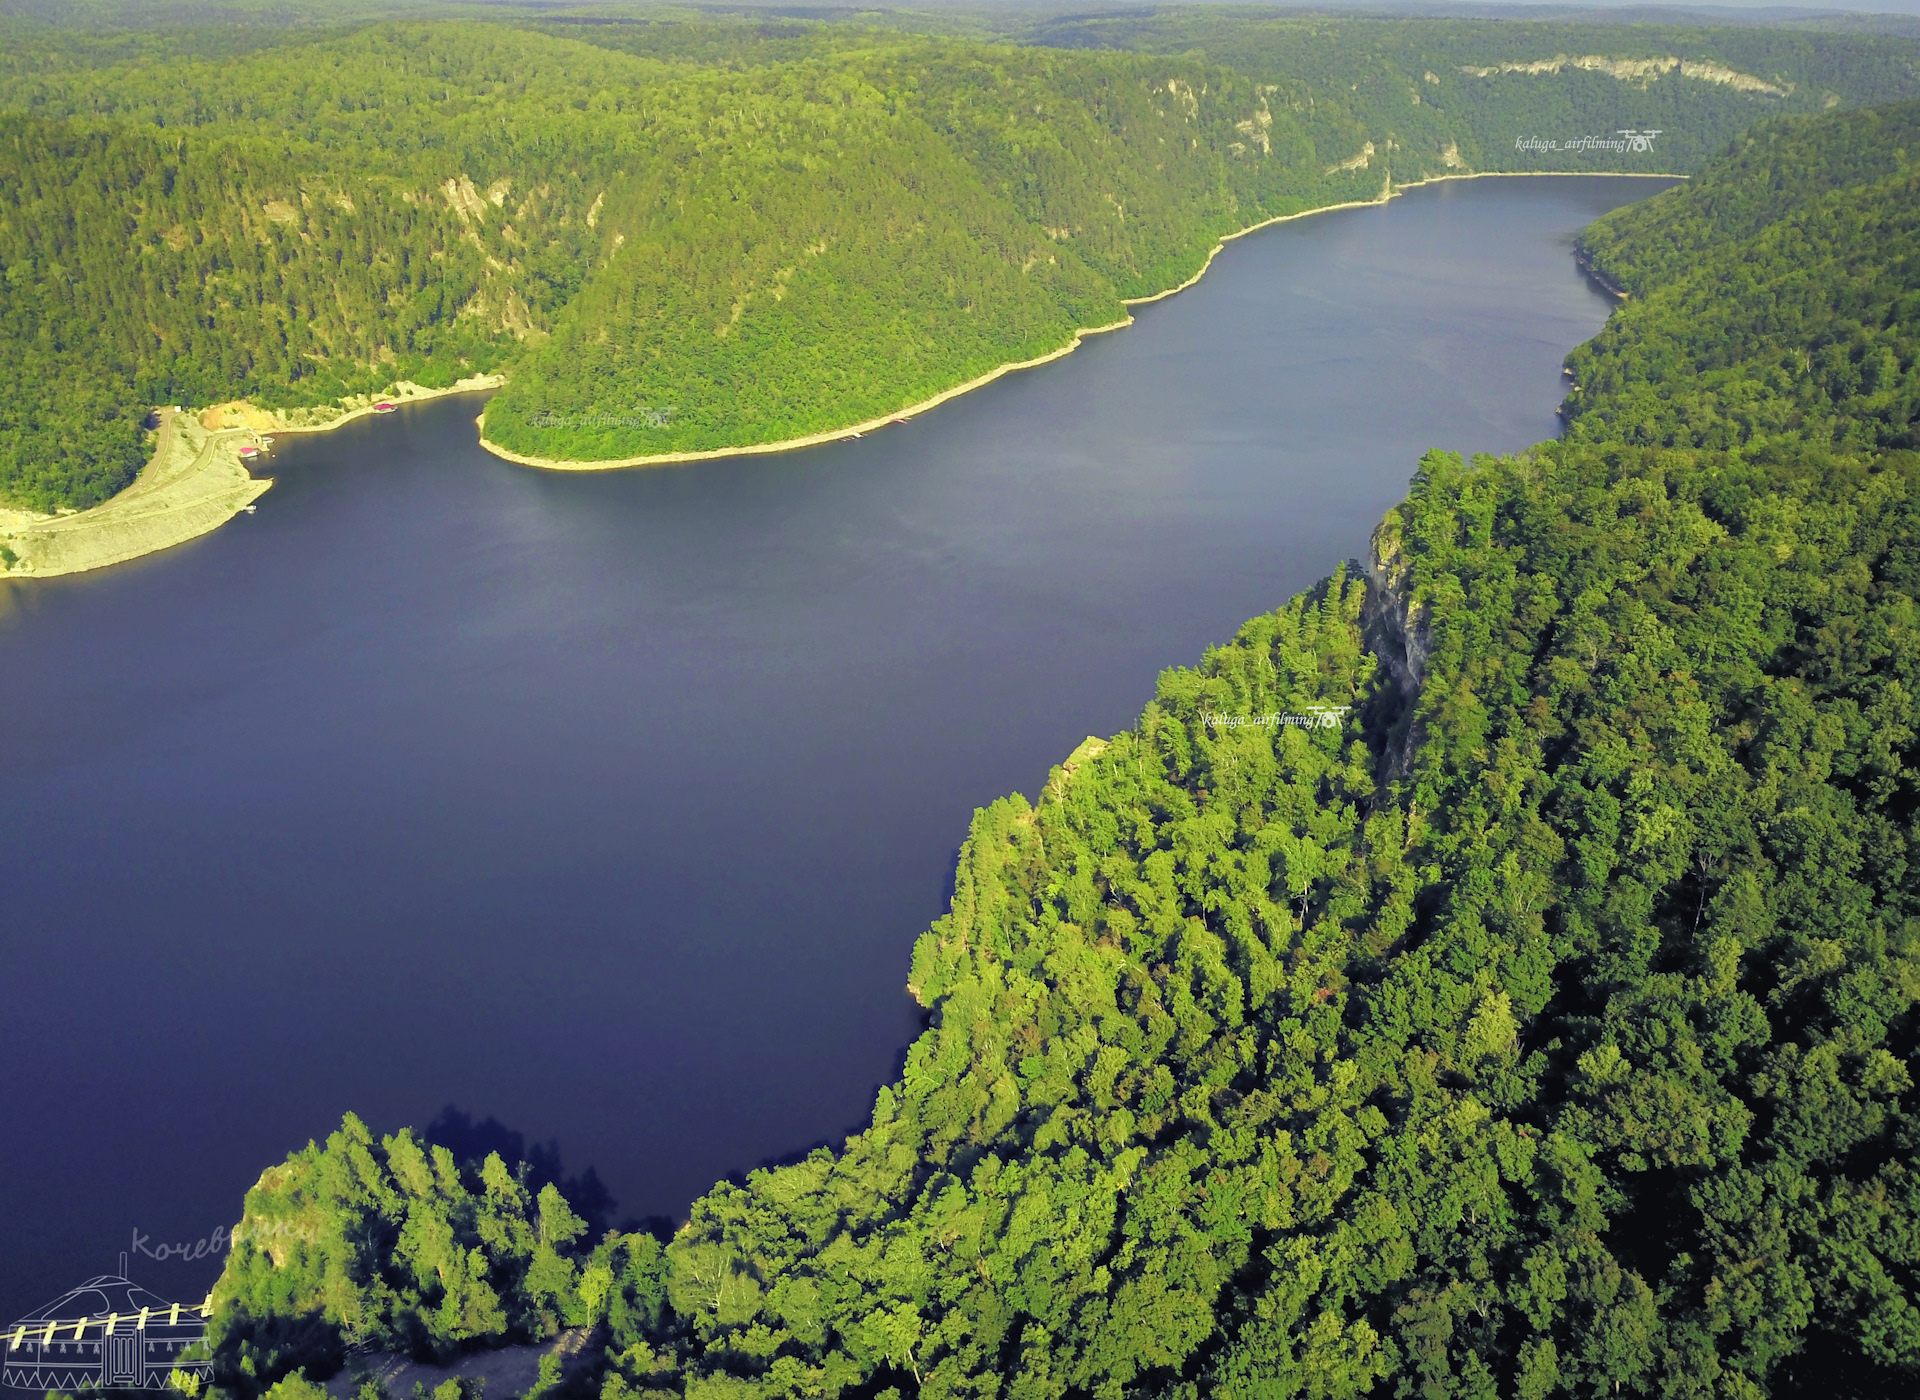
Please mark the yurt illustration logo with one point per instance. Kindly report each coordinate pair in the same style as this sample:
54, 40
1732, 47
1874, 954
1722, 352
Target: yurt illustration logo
107, 1334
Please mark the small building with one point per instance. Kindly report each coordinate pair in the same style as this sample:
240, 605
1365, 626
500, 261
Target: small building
107, 1334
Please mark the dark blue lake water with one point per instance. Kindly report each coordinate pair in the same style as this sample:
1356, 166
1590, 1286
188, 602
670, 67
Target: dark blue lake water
611, 804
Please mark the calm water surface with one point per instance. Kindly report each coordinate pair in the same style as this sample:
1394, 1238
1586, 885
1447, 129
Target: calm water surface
612, 804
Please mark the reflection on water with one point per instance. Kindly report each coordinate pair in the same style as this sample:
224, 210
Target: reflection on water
611, 804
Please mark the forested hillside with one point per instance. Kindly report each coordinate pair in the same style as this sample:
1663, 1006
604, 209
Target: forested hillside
1489, 83
1811, 335
683, 234
1542, 1023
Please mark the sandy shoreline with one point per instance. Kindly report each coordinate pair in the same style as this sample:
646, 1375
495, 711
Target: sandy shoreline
561, 464
194, 483
1388, 191
267, 420
659, 459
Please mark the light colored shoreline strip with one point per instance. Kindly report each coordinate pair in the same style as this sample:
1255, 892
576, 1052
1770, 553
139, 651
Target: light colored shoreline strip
660, 459
191, 487
194, 483
556, 464
1387, 192
400, 393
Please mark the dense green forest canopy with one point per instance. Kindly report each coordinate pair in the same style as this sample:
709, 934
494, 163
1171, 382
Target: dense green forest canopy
1543, 1024
1811, 335
683, 232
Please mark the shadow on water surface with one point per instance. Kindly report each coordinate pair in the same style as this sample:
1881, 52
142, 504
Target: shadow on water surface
455, 1129
616, 801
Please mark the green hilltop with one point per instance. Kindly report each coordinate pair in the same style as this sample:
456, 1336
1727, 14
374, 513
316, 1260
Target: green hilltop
1544, 1026
685, 233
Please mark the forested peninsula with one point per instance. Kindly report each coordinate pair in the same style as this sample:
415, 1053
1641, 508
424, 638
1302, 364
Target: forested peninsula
679, 235
1543, 1025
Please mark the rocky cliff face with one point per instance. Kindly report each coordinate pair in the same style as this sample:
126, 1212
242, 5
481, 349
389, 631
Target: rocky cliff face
1393, 622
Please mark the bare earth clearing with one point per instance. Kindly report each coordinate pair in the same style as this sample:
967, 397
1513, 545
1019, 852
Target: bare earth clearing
196, 482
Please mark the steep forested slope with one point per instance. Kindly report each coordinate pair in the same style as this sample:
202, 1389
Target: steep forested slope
1810, 334
764, 249
1495, 974
855, 237
402, 1246
1487, 85
683, 234
169, 234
